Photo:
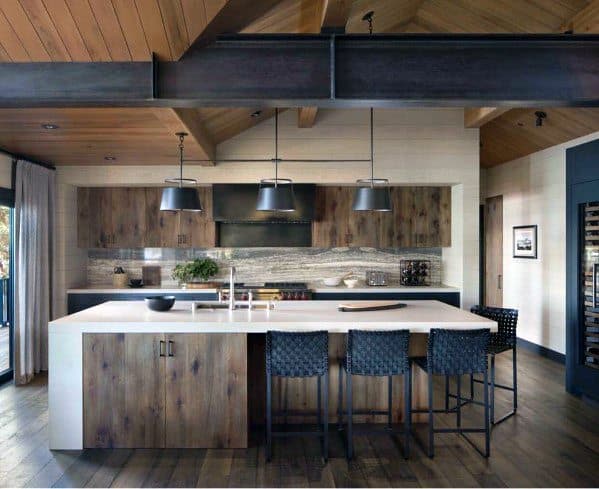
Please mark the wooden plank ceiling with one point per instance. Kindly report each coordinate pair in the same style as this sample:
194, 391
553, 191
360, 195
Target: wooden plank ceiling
130, 30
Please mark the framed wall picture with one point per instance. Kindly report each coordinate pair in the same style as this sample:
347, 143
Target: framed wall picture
525, 241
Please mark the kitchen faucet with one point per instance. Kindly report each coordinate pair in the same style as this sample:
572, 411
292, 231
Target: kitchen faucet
232, 274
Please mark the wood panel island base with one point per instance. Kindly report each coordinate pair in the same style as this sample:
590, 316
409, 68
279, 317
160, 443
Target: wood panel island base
121, 376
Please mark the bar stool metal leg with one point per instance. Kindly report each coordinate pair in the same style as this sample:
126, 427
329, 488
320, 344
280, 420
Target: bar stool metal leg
340, 399
431, 421
407, 392
325, 425
390, 403
459, 403
349, 403
515, 378
471, 387
318, 400
268, 417
493, 389
487, 426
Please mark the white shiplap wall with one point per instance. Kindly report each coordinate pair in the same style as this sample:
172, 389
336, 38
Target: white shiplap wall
412, 146
534, 192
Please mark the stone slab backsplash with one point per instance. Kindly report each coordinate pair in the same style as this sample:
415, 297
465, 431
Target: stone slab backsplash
262, 264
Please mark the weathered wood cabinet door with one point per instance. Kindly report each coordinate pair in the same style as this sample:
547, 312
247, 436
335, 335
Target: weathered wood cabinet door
94, 218
120, 217
123, 390
206, 391
197, 229
421, 217
162, 228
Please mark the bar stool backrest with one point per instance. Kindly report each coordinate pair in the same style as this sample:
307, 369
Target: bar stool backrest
297, 354
507, 320
457, 352
378, 352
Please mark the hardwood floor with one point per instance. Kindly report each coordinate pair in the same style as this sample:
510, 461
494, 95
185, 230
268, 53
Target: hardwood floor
552, 441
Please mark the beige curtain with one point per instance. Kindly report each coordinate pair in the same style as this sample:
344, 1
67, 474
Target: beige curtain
34, 231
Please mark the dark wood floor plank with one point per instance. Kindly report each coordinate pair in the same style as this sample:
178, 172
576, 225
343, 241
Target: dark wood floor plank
553, 441
216, 468
137, 468
187, 468
81, 472
111, 467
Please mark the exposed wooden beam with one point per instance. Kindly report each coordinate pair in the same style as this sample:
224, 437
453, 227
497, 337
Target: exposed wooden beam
306, 116
188, 120
231, 18
586, 21
479, 116
335, 13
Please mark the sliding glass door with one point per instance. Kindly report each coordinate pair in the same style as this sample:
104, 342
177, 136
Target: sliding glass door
6, 286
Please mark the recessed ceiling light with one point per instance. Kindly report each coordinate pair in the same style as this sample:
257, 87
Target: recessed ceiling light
110, 158
50, 126
256, 113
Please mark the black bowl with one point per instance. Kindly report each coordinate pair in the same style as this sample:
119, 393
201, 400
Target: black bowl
160, 302
136, 282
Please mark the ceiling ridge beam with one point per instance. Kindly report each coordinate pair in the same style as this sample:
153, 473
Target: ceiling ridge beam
230, 19
479, 116
188, 120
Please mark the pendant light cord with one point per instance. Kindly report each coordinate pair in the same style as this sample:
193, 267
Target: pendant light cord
181, 138
276, 146
371, 147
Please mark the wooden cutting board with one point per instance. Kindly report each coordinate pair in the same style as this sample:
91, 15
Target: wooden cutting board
370, 306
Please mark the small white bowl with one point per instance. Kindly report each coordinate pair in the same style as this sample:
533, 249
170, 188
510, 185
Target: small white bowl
332, 281
350, 283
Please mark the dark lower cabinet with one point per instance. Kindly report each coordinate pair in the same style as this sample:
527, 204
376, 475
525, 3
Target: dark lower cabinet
451, 298
79, 301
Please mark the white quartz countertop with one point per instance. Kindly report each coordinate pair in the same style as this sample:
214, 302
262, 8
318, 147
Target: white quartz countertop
361, 288
139, 290
316, 287
135, 317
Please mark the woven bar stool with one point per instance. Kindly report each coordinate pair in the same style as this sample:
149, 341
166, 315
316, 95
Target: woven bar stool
457, 353
298, 355
502, 341
376, 354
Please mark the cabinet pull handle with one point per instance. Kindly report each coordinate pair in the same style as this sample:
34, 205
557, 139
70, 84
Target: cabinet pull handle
171, 353
162, 348
500, 282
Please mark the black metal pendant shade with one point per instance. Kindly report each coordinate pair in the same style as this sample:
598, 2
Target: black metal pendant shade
372, 199
279, 197
276, 194
180, 199
373, 194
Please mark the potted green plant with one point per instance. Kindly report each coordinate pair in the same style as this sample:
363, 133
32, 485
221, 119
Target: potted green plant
196, 273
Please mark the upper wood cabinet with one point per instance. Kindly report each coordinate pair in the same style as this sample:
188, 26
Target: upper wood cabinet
121, 217
421, 217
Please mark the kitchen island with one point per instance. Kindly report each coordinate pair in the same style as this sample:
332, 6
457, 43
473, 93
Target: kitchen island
123, 376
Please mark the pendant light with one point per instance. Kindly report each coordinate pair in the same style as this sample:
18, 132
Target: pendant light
372, 194
181, 198
276, 194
